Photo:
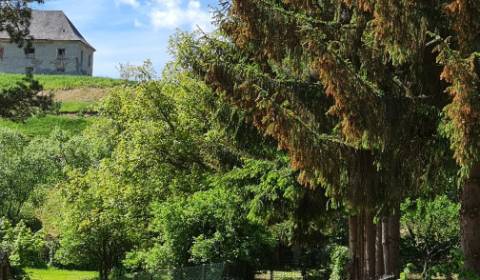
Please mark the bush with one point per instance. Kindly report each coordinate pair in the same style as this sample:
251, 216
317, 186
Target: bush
24, 247
207, 227
23, 99
338, 263
431, 237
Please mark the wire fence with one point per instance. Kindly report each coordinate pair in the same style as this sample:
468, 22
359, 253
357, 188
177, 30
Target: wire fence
279, 275
215, 271
224, 271
200, 272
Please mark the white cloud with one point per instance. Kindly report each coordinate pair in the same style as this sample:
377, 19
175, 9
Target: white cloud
169, 3
173, 14
133, 3
138, 24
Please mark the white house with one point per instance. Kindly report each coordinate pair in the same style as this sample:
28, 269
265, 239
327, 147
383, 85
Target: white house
57, 48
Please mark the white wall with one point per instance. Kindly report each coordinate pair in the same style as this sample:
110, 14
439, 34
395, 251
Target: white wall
45, 59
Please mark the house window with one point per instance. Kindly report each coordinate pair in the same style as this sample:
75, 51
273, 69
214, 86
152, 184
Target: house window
81, 59
90, 61
2, 51
29, 52
61, 53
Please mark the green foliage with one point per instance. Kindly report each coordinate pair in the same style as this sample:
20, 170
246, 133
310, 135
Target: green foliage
24, 167
295, 215
432, 235
407, 271
95, 225
24, 247
338, 263
160, 184
373, 141
23, 99
207, 226
144, 149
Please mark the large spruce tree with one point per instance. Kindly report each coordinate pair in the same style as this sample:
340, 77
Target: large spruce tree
354, 91
459, 54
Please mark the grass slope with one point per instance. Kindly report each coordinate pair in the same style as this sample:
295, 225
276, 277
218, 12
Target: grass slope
76, 94
68, 107
58, 274
43, 126
61, 82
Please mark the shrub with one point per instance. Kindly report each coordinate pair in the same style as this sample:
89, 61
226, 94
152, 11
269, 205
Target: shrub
24, 247
431, 237
338, 263
23, 99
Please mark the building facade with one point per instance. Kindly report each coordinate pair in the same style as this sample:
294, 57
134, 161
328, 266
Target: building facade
57, 48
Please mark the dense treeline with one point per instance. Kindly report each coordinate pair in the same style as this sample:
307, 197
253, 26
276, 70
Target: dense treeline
171, 176
168, 176
335, 131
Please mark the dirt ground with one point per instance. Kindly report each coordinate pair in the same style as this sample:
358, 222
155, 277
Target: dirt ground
80, 94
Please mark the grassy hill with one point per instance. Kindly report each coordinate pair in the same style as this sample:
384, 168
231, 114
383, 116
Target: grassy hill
62, 82
43, 126
76, 95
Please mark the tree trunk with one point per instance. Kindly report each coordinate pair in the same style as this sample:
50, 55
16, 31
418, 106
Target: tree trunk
379, 268
387, 264
361, 244
369, 246
391, 244
470, 221
394, 232
353, 247
105, 269
101, 273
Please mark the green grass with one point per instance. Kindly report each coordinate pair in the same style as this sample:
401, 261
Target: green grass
43, 126
76, 106
58, 274
61, 82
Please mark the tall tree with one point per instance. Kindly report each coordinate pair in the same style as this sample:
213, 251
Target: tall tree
351, 89
25, 166
460, 57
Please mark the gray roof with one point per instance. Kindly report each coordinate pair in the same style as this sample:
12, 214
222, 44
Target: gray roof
52, 25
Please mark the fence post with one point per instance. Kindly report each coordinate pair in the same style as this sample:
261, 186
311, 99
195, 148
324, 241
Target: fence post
271, 274
204, 272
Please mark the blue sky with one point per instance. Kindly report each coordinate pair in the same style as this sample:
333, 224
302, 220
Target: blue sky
130, 31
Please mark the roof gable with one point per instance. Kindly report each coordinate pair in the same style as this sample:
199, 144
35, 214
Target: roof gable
52, 25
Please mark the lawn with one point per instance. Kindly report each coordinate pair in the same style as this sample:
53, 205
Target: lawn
43, 126
62, 82
58, 274
68, 107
